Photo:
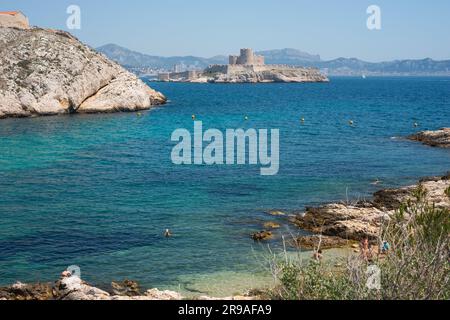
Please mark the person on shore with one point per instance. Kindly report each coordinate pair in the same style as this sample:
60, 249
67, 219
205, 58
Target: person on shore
385, 247
364, 249
318, 255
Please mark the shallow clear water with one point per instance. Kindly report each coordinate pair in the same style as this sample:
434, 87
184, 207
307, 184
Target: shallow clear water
99, 190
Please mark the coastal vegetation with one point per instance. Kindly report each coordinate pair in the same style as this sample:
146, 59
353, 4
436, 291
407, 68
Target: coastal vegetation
415, 265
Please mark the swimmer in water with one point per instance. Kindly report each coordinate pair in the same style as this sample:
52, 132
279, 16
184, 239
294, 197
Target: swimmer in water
376, 182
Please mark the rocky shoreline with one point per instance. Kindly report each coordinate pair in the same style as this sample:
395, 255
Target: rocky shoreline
342, 224
50, 72
439, 138
71, 287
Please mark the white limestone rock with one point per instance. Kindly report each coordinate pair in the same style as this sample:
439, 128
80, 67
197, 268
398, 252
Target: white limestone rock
49, 72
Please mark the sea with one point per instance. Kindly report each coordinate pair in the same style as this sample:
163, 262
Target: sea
98, 191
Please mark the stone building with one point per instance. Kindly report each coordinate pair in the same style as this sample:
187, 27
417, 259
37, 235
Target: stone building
14, 19
247, 58
164, 76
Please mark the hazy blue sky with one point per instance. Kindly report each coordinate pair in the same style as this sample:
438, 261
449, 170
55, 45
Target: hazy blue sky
331, 28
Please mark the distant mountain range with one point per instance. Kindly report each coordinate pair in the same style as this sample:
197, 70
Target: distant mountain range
144, 63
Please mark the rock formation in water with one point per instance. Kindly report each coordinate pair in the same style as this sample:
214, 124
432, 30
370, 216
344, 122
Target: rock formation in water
439, 138
262, 74
49, 72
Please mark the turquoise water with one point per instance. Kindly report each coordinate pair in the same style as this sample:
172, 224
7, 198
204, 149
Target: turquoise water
99, 190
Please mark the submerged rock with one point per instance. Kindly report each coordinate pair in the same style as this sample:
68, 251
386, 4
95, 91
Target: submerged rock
277, 213
439, 138
272, 225
262, 235
49, 72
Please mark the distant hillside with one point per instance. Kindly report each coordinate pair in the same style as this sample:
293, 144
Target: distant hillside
141, 63
288, 56
135, 59
353, 66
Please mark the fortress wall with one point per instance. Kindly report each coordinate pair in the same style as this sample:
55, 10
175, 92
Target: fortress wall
261, 68
237, 68
259, 60
217, 69
233, 60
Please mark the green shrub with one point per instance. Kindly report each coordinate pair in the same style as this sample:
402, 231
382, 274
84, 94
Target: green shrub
416, 267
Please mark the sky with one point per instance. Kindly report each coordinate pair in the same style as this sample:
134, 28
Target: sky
410, 29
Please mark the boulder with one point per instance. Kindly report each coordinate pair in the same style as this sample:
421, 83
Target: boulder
277, 213
352, 222
73, 288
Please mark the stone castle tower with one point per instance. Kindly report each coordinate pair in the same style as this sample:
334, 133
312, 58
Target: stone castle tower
247, 57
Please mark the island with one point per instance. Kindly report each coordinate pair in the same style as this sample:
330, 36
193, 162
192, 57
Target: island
247, 68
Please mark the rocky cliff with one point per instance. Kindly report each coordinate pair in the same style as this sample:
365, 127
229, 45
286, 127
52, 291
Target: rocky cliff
48, 72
